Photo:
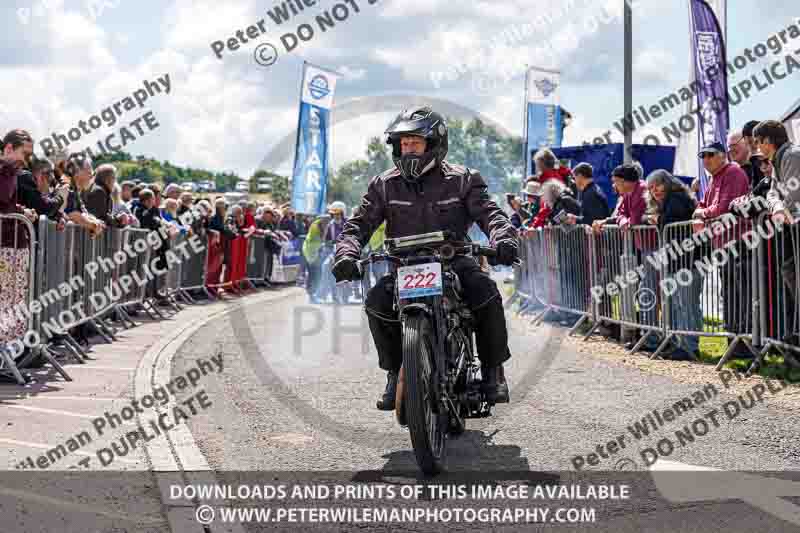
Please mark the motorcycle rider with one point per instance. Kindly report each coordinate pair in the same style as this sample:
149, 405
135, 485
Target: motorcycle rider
423, 194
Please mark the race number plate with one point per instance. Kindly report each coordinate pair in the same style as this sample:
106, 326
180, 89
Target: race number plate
419, 281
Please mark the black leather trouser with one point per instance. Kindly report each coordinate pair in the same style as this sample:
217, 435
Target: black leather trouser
482, 297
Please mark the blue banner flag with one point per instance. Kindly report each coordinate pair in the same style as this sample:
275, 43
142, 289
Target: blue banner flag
711, 77
310, 173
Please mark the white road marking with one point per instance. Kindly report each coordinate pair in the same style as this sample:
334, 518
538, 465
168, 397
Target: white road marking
62, 398
39, 446
50, 411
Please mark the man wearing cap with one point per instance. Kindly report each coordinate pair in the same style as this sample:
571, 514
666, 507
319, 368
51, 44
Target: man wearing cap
533, 201
728, 182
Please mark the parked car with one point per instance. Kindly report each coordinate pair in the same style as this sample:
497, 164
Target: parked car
243, 186
234, 197
206, 186
264, 185
189, 187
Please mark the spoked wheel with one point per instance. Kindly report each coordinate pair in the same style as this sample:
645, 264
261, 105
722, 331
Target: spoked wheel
424, 423
456, 427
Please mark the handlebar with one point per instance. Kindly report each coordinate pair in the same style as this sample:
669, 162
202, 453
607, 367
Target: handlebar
446, 251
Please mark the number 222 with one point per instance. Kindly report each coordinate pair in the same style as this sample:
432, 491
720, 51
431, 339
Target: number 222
409, 279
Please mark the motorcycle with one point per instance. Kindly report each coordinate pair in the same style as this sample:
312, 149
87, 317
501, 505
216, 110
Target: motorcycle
439, 384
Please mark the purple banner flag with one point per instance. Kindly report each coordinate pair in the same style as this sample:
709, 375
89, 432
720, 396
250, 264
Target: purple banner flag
708, 51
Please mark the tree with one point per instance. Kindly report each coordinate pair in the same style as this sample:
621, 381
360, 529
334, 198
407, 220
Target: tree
280, 189
349, 183
475, 145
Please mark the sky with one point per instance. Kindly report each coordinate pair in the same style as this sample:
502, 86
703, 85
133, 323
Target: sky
64, 61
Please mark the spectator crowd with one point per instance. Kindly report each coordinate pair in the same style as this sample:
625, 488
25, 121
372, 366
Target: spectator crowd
70, 188
757, 172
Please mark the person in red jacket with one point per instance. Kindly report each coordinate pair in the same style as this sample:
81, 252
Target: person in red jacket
546, 161
728, 182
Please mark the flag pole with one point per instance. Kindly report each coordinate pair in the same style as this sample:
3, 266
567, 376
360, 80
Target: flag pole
297, 136
628, 79
525, 127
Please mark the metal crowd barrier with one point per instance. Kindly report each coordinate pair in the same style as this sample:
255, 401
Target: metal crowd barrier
708, 288
193, 274
625, 283
55, 278
57, 284
730, 279
172, 282
137, 295
256, 260
537, 286
778, 261
528, 273
17, 293
568, 273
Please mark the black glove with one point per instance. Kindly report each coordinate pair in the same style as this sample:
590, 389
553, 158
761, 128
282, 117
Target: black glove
507, 252
345, 269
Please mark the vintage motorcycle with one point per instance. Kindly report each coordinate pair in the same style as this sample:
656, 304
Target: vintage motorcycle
439, 383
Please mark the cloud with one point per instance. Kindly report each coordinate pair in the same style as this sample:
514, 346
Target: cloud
351, 73
655, 67
225, 114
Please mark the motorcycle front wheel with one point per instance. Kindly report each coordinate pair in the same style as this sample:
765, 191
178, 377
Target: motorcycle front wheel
425, 424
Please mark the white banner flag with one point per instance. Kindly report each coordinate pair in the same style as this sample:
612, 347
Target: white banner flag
318, 87
796, 129
543, 86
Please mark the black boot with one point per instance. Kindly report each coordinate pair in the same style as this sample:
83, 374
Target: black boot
386, 401
494, 384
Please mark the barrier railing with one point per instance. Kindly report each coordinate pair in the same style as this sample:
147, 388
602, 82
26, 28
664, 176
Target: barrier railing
256, 268
17, 265
55, 280
134, 267
568, 273
778, 317
727, 278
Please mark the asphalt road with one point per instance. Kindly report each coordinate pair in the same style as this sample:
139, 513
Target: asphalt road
298, 395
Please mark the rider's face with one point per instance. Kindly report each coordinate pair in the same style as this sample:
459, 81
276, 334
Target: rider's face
412, 144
